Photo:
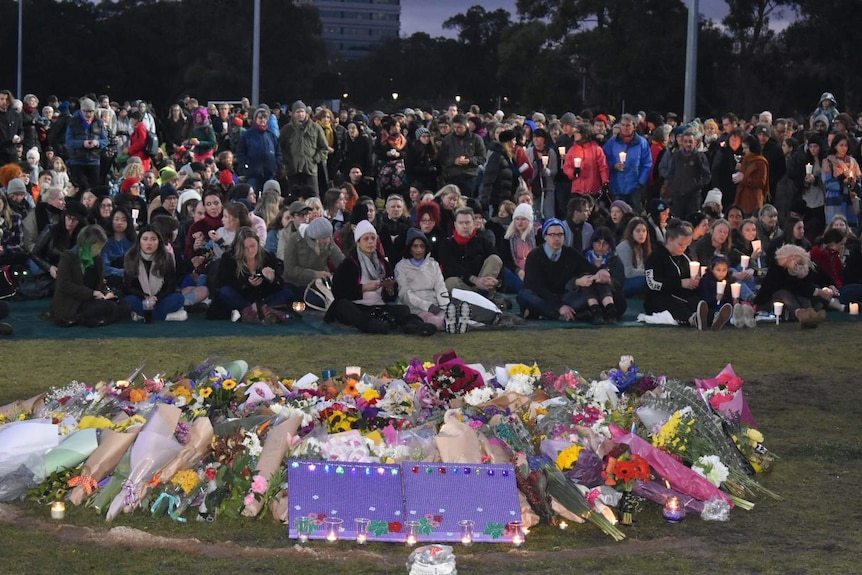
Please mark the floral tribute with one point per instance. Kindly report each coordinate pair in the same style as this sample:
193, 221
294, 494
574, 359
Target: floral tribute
214, 440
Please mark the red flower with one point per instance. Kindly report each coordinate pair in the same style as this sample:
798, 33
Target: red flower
211, 473
395, 527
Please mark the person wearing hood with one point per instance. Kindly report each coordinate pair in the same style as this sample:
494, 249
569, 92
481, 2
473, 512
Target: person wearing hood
751, 177
363, 287
86, 137
202, 139
828, 107
11, 129
303, 148
59, 237
421, 286
501, 176
258, 154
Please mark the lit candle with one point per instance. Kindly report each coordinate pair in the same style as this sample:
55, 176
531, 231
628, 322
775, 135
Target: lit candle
702, 271
299, 306
778, 308
755, 245
466, 532
854, 309
362, 530
135, 214
58, 510
562, 151
623, 156
332, 525
719, 288
412, 528
545, 160
578, 162
743, 261
809, 169
515, 529
673, 511
693, 268
735, 290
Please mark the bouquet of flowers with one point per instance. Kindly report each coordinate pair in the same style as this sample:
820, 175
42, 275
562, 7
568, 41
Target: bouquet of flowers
453, 379
622, 472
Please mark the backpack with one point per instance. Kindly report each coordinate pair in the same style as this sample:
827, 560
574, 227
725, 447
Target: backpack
152, 147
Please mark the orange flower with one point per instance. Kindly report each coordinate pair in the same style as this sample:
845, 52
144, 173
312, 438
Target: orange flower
138, 395
350, 388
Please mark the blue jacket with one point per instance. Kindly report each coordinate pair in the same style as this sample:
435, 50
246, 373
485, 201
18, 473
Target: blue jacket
77, 133
638, 164
258, 154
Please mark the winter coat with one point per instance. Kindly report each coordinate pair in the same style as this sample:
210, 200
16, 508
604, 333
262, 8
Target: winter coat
227, 277
501, 178
454, 146
77, 132
258, 154
420, 287
74, 287
303, 147
754, 187
10, 126
301, 261
638, 164
664, 274
422, 166
594, 168
467, 260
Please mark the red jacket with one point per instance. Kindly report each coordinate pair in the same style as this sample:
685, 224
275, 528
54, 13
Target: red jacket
594, 168
523, 159
830, 263
138, 145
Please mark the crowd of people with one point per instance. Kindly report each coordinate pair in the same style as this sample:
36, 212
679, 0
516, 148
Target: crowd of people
424, 221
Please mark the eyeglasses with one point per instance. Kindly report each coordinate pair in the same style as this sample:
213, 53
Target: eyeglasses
426, 221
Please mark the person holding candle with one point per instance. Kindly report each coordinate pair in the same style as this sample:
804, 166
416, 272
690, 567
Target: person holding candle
841, 175
797, 282
132, 202
630, 172
501, 176
844, 266
671, 287
585, 165
745, 243
716, 291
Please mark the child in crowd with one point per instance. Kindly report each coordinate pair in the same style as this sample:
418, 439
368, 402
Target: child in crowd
722, 304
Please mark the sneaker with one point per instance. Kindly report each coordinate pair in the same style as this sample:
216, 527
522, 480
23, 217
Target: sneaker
463, 317
450, 319
199, 307
701, 315
748, 316
722, 317
235, 315
179, 315
738, 317
136, 317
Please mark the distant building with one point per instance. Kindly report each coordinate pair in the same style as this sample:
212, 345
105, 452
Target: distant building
352, 28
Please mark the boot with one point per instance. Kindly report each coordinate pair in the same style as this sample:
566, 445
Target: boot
611, 313
598, 316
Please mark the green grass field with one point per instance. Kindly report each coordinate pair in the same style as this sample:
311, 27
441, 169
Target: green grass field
801, 386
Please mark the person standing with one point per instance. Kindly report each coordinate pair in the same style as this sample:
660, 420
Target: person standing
630, 172
461, 154
10, 129
258, 154
303, 148
86, 137
687, 175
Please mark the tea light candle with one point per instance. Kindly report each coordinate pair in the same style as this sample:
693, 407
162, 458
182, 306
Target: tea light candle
743, 261
467, 527
362, 530
578, 162
298, 306
693, 268
809, 169
673, 511
135, 214
735, 290
332, 526
778, 308
58, 510
755, 245
517, 532
719, 288
411, 533
623, 156
853, 309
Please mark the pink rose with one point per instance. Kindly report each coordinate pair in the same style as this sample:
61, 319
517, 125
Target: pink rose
259, 485
249, 499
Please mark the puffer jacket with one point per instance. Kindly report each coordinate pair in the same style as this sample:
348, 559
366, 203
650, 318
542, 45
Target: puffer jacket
258, 154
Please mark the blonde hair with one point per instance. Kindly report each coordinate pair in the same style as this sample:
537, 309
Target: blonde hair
794, 259
133, 170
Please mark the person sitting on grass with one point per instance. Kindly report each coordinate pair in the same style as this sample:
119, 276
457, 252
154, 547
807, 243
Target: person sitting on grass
469, 262
80, 294
633, 252
670, 285
742, 314
421, 286
150, 275
549, 270
605, 298
799, 284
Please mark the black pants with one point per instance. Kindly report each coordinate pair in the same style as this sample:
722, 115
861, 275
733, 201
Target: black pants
366, 317
103, 311
84, 177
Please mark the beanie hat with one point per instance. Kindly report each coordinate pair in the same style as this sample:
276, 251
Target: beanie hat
237, 121
167, 174
318, 228
225, 178
298, 105
421, 132
271, 185
623, 206
523, 211
168, 191
506, 136
88, 104
539, 117
713, 196
16, 186
530, 123
189, 195
128, 183
602, 118
362, 228
550, 222
76, 210
568, 119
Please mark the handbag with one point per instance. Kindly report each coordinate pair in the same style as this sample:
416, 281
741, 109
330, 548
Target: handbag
318, 295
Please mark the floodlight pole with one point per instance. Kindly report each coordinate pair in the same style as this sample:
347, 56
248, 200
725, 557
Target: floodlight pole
255, 56
20, 46
691, 62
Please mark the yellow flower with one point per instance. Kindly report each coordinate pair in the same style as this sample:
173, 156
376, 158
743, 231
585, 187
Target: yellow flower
187, 480
229, 384
206, 392
94, 422
428, 365
568, 457
754, 435
370, 394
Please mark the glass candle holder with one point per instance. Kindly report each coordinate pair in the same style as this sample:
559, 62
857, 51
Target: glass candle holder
411, 533
778, 308
332, 529
674, 510
58, 510
298, 306
515, 530
467, 526
362, 524
304, 528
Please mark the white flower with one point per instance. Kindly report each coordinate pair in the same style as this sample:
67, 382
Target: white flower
252, 444
520, 383
711, 467
626, 361
603, 394
479, 395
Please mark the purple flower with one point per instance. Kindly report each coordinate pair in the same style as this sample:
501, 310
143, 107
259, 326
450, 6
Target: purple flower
182, 432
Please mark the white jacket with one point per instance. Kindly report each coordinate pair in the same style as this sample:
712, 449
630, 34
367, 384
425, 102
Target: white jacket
421, 287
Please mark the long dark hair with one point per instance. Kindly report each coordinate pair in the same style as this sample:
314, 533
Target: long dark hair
131, 235
162, 261
639, 252
238, 250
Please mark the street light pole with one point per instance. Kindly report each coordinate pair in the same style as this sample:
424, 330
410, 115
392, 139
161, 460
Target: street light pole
255, 56
20, 44
691, 62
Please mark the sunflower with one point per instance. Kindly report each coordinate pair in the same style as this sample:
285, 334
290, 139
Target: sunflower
206, 392
228, 384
